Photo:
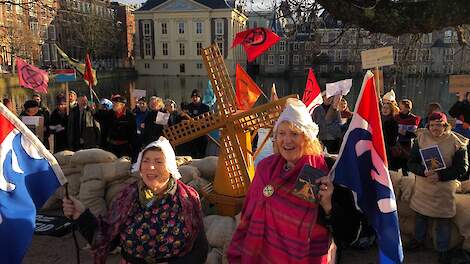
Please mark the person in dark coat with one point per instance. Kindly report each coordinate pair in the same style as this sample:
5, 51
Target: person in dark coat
31, 108
390, 132
58, 125
141, 111
122, 128
152, 130
103, 116
195, 108
83, 129
407, 125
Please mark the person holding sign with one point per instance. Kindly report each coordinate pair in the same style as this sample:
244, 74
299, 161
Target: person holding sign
438, 158
292, 208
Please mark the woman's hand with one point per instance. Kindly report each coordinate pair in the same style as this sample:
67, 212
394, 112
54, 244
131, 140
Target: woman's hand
73, 208
325, 193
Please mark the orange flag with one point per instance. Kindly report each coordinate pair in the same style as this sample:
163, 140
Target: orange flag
247, 92
273, 93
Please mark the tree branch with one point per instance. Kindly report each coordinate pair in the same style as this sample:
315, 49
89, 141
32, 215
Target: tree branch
400, 17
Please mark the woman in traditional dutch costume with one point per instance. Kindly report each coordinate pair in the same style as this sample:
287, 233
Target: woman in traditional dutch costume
156, 220
278, 226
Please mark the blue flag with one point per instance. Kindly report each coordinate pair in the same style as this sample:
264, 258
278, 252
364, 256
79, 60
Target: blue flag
29, 174
362, 167
209, 97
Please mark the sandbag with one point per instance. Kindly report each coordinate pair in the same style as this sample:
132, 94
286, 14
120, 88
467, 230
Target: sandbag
220, 231
407, 185
198, 183
208, 220
63, 157
214, 256
92, 196
108, 172
465, 186
183, 160
207, 166
69, 169
462, 218
88, 156
74, 183
395, 177
188, 173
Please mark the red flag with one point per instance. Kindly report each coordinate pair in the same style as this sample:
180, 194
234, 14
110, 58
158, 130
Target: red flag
88, 75
255, 41
246, 90
31, 77
312, 94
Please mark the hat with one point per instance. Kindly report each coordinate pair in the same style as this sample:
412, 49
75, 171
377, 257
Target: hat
30, 104
118, 99
61, 100
142, 99
390, 96
73, 92
296, 112
196, 92
106, 103
168, 152
438, 116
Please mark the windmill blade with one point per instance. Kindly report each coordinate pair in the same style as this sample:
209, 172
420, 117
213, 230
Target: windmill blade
234, 181
195, 127
263, 116
220, 80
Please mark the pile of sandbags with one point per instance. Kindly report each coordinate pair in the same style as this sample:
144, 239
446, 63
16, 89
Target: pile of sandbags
207, 166
460, 229
219, 231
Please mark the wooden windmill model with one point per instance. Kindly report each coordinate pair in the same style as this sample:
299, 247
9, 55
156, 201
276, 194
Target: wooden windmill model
235, 168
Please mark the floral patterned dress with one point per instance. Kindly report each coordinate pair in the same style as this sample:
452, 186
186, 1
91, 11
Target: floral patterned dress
156, 231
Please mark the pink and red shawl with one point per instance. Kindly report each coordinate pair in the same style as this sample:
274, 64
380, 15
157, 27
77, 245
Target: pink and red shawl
281, 228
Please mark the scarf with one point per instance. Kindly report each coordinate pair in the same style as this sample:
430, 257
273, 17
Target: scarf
110, 226
281, 228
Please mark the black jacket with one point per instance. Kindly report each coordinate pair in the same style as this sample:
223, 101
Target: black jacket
86, 134
152, 130
60, 136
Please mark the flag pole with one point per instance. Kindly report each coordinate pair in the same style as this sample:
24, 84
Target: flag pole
67, 97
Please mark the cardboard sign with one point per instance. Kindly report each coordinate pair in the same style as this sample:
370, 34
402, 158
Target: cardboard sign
459, 83
338, 88
377, 57
35, 124
139, 93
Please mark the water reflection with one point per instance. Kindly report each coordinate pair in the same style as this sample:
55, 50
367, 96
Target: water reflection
420, 90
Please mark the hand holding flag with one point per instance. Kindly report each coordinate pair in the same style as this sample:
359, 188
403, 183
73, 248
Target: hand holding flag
255, 41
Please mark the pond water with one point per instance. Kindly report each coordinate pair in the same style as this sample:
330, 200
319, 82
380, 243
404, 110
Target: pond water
420, 90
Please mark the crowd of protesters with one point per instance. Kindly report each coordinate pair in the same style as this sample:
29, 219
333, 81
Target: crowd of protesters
111, 124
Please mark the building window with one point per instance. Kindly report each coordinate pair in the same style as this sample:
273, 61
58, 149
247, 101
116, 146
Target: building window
181, 49
34, 27
296, 60
198, 27
165, 66
351, 68
448, 36
448, 54
181, 27
51, 30
53, 54
165, 49
282, 60
337, 68
164, 29
146, 29
45, 52
199, 48
219, 27
345, 54
282, 45
323, 68
147, 47
308, 59
296, 46
182, 68
147, 66
198, 66
324, 38
270, 59
308, 45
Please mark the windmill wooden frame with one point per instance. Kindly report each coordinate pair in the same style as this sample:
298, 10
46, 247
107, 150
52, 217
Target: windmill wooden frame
235, 168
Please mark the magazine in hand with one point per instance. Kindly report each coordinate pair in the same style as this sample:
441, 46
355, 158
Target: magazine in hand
305, 186
432, 158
